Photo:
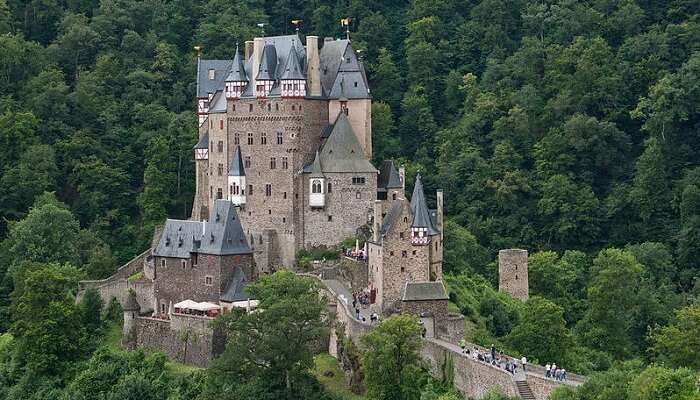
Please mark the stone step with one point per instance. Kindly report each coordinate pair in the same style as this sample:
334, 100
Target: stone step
524, 390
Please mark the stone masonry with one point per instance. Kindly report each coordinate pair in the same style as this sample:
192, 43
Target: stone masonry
512, 273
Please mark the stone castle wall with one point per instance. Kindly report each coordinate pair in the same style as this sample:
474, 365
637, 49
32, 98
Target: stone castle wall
167, 336
347, 208
118, 285
512, 273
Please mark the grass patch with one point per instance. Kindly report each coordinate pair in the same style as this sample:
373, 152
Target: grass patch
135, 277
180, 369
327, 371
112, 337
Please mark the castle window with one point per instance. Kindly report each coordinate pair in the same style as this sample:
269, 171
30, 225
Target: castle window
250, 191
220, 146
247, 162
162, 308
220, 169
330, 218
219, 193
233, 107
221, 124
194, 260
294, 107
250, 108
268, 189
316, 186
211, 123
403, 269
414, 252
344, 107
209, 280
355, 84
393, 196
263, 138
279, 137
212, 74
284, 195
404, 253
285, 163
250, 137
260, 239
237, 139
401, 235
284, 220
358, 180
269, 212
211, 192
273, 163
516, 277
184, 264
358, 195
391, 253
277, 107
162, 262
269, 107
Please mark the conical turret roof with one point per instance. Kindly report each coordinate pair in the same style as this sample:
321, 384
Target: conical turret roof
236, 167
342, 152
421, 216
292, 67
316, 171
268, 64
203, 142
237, 69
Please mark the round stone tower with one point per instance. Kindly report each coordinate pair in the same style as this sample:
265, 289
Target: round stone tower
131, 311
512, 273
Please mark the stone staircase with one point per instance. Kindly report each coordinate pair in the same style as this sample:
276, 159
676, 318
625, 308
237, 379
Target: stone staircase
524, 390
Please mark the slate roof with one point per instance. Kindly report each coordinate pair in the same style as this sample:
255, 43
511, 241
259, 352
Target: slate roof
315, 169
223, 234
420, 291
388, 176
392, 215
237, 72
292, 67
203, 142
236, 167
205, 86
268, 63
421, 216
341, 152
218, 103
331, 56
178, 239
236, 289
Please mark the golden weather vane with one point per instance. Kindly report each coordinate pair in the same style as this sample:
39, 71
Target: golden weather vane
346, 23
296, 23
198, 49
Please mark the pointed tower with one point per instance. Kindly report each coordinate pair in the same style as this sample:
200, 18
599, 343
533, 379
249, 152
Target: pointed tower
237, 80
422, 227
317, 185
267, 73
236, 179
292, 79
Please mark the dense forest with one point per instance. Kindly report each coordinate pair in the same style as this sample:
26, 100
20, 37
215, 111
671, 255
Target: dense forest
569, 128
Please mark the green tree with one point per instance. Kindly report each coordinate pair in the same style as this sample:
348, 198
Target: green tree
678, 344
650, 192
49, 233
385, 143
271, 351
92, 311
385, 79
391, 359
416, 126
462, 251
47, 325
659, 383
613, 292
542, 333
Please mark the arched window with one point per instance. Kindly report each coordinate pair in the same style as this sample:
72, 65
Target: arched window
316, 186
330, 187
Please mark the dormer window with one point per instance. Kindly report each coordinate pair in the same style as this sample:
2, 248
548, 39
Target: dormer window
212, 74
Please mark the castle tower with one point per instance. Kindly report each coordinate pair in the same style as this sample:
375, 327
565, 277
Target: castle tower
512, 273
237, 79
292, 79
266, 75
131, 310
236, 179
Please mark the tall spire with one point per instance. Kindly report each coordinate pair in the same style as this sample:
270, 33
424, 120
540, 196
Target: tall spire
292, 67
237, 68
421, 216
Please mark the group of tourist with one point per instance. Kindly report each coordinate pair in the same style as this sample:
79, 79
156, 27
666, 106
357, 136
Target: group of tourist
493, 357
355, 253
552, 371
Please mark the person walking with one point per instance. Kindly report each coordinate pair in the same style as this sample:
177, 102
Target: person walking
493, 351
523, 361
548, 369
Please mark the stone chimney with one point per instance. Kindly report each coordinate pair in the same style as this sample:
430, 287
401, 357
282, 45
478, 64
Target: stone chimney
512, 273
248, 49
378, 220
402, 174
313, 70
440, 222
258, 46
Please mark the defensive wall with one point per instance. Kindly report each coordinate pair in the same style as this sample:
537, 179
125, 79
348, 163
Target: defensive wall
189, 339
472, 378
118, 285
